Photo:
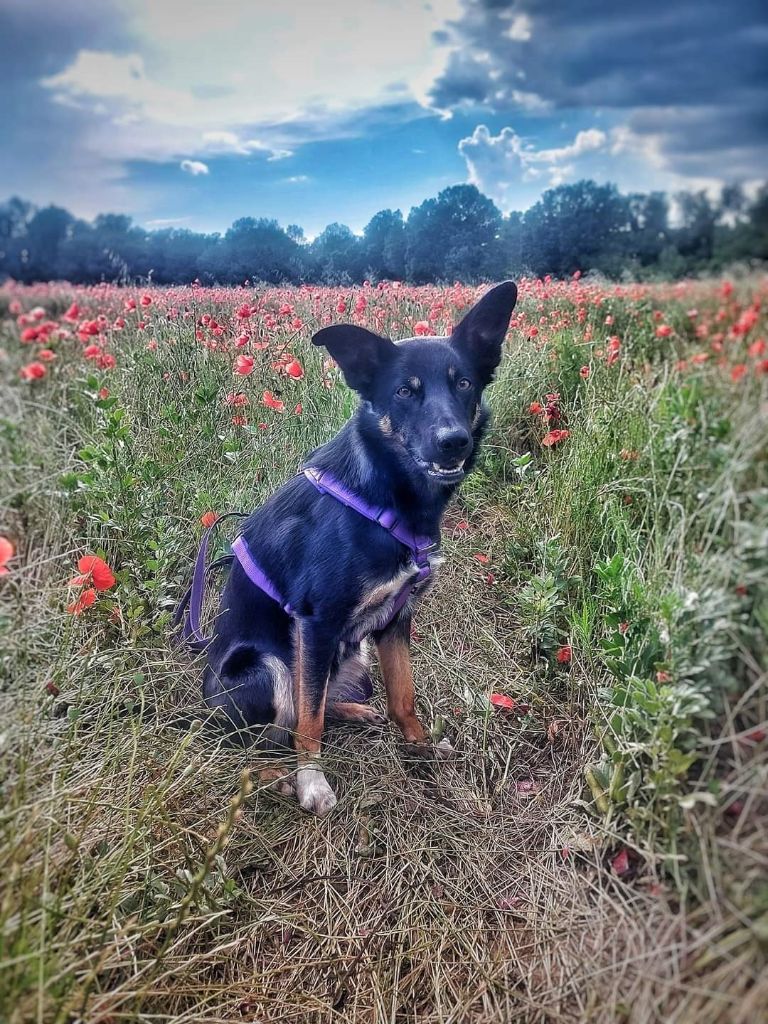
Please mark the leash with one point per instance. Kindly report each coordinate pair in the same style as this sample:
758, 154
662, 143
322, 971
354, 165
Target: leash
420, 546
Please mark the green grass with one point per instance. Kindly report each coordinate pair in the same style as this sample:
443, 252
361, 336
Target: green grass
144, 878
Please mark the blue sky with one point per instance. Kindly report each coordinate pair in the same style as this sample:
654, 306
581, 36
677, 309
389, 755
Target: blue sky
193, 114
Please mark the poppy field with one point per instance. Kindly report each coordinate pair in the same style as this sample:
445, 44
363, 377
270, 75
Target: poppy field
595, 649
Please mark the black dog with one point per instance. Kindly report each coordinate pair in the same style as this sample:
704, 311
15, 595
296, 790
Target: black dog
342, 576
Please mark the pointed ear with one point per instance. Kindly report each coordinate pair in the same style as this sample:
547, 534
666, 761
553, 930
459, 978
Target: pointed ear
480, 334
361, 354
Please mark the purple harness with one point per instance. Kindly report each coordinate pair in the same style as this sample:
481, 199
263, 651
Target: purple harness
421, 547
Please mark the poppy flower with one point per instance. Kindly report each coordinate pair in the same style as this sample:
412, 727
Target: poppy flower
564, 654
294, 369
6, 554
272, 403
422, 327
554, 437
481, 558
584, 372
299, 409
94, 571
663, 331
244, 365
33, 371
501, 700
208, 519
536, 408
738, 372
85, 600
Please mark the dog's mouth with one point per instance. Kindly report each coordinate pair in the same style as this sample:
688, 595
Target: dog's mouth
445, 474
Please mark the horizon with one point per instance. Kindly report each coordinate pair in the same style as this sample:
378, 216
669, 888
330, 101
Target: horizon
191, 117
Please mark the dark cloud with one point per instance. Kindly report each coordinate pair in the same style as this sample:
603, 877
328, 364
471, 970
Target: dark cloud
696, 68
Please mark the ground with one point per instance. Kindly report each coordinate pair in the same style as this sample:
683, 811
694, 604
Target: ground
595, 650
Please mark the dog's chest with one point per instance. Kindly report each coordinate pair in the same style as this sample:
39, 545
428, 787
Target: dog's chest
377, 605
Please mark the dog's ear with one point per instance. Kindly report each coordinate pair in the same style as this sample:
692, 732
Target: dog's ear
480, 334
361, 354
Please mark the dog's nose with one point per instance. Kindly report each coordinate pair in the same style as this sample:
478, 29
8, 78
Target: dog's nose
452, 440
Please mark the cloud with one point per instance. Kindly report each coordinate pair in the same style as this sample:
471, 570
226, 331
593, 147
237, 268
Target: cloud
689, 78
297, 179
498, 164
194, 167
230, 142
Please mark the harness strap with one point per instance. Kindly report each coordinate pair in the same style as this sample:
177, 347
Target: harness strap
192, 601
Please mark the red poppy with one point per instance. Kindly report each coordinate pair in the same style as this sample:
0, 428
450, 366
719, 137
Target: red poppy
584, 372
501, 700
208, 519
481, 558
6, 554
555, 437
85, 600
564, 654
244, 365
535, 408
33, 371
94, 571
272, 403
738, 372
294, 369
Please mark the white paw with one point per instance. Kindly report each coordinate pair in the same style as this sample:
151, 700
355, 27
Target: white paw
313, 791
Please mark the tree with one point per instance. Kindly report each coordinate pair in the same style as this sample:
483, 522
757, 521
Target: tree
383, 246
456, 237
337, 251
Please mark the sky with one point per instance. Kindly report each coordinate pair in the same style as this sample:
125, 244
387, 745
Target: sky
191, 114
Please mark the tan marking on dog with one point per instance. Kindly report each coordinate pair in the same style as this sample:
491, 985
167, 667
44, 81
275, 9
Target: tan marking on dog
383, 591
415, 383
396, 671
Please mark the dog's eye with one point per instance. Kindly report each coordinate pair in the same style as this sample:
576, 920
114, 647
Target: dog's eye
463, 384
404, 392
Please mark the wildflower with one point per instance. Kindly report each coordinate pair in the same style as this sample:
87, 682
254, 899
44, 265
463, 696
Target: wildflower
271, 402
244, 365
208, 519
47, 355
6, 554
663, 677
85, 600
555, 437
146, 300
92, 351
536, 408
299, 409
103, 393
738, 372
93, 571
758, 348
501, 700
341, 306
564, 654
481, 558
294, 369
237, 399
462, 525
663, 331
629, 455
33, 371
584, 372
422, 327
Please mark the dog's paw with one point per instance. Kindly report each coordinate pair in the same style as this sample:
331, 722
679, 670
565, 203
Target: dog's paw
427, 751
314, 793
278, 780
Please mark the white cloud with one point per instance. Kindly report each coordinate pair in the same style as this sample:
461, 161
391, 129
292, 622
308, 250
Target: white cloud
193, 85
499, 164
194, 167
297, 179
520, 28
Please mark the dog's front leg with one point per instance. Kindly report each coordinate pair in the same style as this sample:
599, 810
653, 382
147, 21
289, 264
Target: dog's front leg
393, 646
313, 654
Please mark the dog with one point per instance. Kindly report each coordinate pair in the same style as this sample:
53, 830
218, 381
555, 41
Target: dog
342, 553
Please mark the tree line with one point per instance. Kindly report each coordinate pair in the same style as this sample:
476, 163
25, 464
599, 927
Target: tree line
460, 235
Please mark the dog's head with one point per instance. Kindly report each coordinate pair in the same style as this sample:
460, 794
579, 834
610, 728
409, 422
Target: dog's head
426, 393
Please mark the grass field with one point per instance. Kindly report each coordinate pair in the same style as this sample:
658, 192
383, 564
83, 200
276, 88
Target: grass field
595, 649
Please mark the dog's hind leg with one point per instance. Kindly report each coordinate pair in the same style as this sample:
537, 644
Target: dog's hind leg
349, 711
254, 691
